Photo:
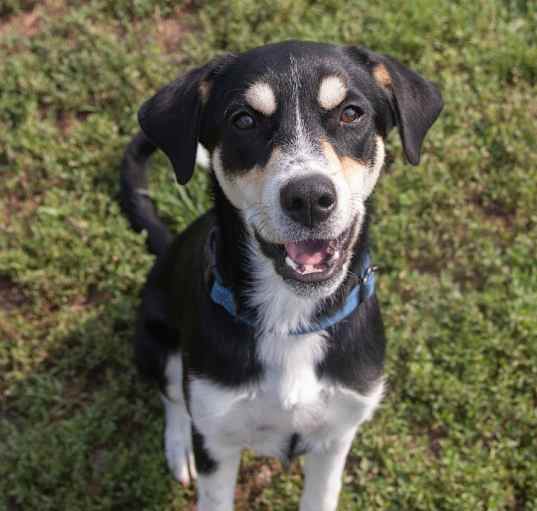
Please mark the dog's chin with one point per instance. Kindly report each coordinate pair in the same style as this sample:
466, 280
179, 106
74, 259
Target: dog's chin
310, 264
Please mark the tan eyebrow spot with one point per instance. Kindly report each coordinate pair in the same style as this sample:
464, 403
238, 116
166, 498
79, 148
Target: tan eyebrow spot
260, 97
331, 92
382, 76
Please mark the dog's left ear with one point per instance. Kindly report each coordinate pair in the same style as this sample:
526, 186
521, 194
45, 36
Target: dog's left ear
415, 101
171, 119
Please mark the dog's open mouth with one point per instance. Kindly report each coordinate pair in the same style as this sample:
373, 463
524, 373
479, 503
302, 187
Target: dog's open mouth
311, 256
312, 260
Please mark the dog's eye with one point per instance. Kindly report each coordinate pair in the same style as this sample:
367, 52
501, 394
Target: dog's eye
243, 121
351, 114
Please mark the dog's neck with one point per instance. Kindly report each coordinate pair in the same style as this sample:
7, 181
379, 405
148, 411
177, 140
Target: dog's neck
232, 244
233, 253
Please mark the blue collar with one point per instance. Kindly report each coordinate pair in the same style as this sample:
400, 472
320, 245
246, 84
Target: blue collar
223, 296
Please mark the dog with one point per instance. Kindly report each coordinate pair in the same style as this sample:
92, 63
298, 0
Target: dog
260, 322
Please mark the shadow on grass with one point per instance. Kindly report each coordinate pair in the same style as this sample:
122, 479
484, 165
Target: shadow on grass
81, 431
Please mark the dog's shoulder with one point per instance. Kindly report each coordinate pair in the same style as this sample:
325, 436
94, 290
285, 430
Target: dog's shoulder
177, 270
171, 296
355, 350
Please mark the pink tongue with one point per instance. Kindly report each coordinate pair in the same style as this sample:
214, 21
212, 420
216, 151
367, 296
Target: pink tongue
307, 252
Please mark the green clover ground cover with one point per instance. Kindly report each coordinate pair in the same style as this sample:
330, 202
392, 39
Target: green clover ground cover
456, 237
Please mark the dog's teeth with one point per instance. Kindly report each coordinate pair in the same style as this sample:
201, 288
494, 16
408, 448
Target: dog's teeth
310, 268
303, 269
291, 263
334, 256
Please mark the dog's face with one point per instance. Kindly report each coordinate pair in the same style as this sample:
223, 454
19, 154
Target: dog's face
296, 135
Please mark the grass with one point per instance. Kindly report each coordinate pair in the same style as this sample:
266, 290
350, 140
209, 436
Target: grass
457, 238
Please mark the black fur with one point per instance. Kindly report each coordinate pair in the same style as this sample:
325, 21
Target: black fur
205, 464
174, 312
134, 197
172, 118
294, 448
356, 347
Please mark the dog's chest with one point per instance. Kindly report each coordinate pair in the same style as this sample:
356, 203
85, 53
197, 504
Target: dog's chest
289, 400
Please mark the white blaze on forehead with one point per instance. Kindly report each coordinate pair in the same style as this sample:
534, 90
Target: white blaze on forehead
260, 97
331, 92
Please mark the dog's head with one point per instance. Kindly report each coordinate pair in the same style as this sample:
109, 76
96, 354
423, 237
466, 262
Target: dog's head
296, 135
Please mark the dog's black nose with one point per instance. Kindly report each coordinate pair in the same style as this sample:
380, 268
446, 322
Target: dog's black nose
309, 200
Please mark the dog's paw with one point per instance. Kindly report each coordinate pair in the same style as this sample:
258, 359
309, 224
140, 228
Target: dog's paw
180, 458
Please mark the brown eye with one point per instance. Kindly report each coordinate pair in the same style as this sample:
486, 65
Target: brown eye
351, 114
243, 121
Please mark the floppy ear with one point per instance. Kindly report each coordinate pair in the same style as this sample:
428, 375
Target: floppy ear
415, 101
171, 119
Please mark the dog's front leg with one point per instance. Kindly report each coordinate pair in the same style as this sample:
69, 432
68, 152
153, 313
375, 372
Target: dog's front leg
323, 470
177, 436
216, 476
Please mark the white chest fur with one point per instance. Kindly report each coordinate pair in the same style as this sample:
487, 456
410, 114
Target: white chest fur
289, 399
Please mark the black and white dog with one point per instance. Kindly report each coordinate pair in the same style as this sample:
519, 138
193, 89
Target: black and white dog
259, 321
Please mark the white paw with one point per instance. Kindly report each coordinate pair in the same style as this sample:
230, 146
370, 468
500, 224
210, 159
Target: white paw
180, 457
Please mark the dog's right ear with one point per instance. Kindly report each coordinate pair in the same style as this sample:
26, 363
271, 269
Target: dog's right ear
415, 102
171, 119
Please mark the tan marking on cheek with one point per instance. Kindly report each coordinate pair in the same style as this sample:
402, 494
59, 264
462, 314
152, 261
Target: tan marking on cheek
382, 76
334, 162
247, 188
204, 89
260, 97
253, 179
354, 171
331, 92
349, 167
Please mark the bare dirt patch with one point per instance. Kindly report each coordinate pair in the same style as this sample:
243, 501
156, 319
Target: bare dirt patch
171, 29
11, 294
28, 22
494, 212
